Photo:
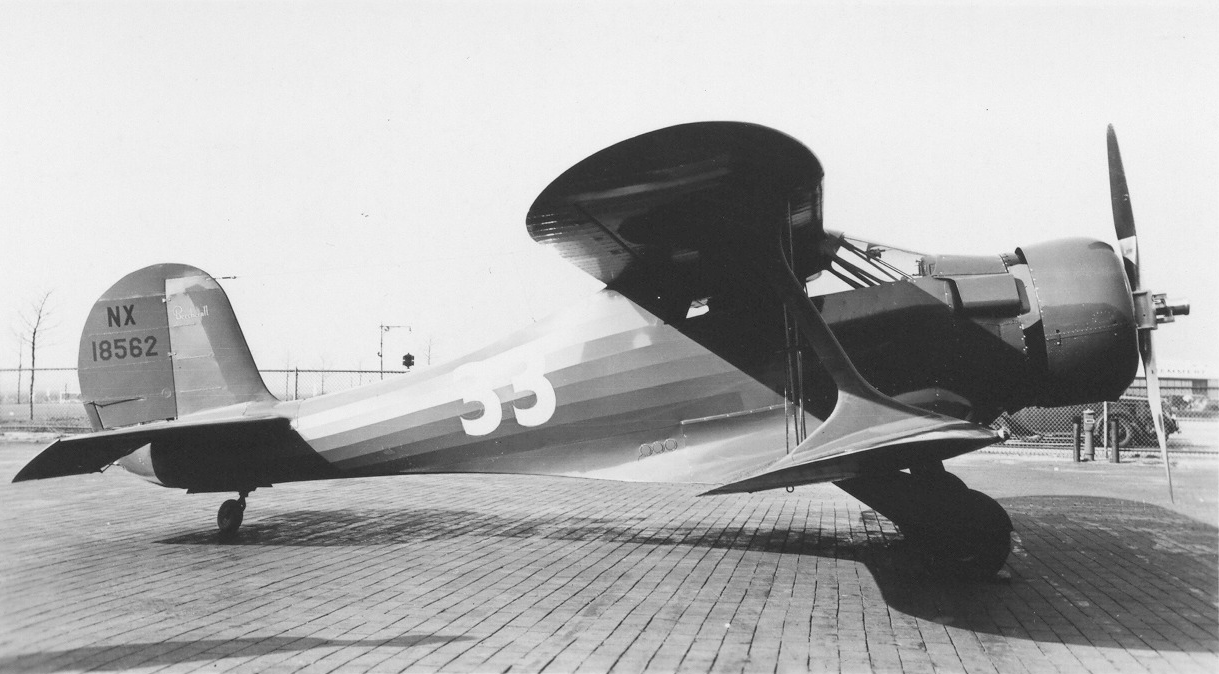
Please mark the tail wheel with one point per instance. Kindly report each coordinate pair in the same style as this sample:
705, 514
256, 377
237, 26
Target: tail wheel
228, 518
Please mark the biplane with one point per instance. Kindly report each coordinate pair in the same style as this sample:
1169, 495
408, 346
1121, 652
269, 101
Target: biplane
705, 359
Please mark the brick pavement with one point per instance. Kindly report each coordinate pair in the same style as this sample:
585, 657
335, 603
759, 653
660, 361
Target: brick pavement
472, 573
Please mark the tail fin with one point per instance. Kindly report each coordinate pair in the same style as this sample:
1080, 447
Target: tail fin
161, 343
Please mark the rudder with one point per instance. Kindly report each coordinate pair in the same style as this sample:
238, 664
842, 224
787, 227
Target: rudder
163, 342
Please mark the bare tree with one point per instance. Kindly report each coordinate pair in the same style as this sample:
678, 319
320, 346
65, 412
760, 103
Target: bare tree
34, 323
427, 349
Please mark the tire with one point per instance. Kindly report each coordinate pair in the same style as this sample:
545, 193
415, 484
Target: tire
942, 480
960, 532
975, 545
1127, 432
228, 518
986, 556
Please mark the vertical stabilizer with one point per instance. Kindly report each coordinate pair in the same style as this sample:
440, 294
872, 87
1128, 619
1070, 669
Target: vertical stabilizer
161, 343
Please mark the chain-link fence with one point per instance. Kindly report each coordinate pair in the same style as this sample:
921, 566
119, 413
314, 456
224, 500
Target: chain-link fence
55, 403
42, 398
1191, 407
1130, 417
301, 384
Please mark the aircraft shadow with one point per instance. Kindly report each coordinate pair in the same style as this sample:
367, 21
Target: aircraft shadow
1085, 570
168, 653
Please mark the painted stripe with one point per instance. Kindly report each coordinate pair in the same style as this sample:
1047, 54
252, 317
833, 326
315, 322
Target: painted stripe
620, 368
626, 413
561, 341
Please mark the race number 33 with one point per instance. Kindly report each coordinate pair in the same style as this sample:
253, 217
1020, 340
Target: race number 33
477, 384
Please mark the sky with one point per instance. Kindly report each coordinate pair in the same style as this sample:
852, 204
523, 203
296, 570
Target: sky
343, 166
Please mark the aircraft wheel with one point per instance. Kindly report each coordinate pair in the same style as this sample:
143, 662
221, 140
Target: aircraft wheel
940, 480
975, 546
961, 532
228, 518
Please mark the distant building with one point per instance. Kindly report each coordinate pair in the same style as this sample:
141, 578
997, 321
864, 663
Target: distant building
1187, 387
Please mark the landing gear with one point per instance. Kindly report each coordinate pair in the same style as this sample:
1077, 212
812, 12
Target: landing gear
963, 532
973, 544
228, 518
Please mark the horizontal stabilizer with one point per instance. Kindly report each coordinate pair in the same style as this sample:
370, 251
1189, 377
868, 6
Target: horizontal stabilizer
92, 452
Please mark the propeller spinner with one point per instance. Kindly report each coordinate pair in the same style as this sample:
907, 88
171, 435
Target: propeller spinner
1149, 309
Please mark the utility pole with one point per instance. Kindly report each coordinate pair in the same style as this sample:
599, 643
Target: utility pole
381, 348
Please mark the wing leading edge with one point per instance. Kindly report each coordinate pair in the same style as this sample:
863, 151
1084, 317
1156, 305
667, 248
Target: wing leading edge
867, 449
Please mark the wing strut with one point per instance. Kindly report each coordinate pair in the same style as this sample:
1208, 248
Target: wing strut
867, 429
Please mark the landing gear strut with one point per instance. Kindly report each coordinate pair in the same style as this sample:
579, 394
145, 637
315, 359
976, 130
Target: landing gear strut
964, 532
228, 518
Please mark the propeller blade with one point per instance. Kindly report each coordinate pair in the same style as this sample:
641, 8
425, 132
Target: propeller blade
1154, 309
1123, 215
1154, 399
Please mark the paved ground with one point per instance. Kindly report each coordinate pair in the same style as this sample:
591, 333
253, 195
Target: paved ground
106, 573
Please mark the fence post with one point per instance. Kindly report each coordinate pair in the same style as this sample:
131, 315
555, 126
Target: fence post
296, 383
1089, 426
1105, 422
1114, 449
1076, 425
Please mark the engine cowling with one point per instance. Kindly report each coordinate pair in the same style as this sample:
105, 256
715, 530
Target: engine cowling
1080, 327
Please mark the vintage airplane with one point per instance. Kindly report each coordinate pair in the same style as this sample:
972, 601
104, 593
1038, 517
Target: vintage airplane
704, 359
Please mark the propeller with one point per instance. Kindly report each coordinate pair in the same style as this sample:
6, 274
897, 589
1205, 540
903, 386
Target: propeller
1149, 309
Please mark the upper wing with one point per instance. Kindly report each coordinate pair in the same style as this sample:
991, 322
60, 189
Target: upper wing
656, 217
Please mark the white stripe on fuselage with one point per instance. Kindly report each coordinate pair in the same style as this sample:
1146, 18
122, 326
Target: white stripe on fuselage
608, 346
558, 342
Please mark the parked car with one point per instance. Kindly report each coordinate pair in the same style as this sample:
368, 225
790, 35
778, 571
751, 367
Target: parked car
1191, 405
1135, 427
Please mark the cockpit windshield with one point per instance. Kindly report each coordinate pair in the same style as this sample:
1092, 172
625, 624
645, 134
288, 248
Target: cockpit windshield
856, 263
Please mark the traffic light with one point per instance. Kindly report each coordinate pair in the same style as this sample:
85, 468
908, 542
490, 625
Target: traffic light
408, 361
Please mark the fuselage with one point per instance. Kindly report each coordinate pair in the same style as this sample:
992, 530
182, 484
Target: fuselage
603, 390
